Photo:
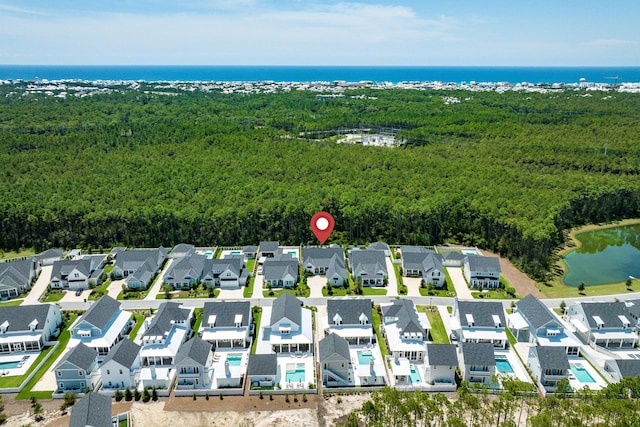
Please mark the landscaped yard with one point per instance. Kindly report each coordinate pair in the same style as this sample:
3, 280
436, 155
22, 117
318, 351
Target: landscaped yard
17, 254
192, 293
438, 331
139, 319
376, 327
300, 293
335, 292
55, 295
257, 315
493, 294
198, 316
11, 303
132, 294
248, 289
99, 291
373, 291
425, 292
556, 290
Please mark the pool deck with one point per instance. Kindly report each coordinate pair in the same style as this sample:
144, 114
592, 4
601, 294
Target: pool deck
379, 366
285, 359
25, 359
576, 384
519, 371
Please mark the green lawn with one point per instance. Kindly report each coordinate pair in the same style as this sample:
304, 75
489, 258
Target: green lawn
277, 292
558, 290
436, 292
62, 340
257, 316
510, 337
139, 318
248, 289
198, 315
131, 295
251, 262
17, 254
438, 332
376, 327
13, 302
200, 293
55, 297
373, 291
401, 286
497, 294
100, 291
336, 292
217, 254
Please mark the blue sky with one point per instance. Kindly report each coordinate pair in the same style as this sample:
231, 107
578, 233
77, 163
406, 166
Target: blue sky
322, 32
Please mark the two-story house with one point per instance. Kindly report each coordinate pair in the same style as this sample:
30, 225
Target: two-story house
482, 272
268, 249
194, 365
440, 362
479, 322
290, 326
603, 324
548, 365
405, 329
93, 410
185, 271
139, 266
422, 262
326, 261
77, 370
281, 271
27, 328
121, 368
71, 274
227, 273
352, 319
622, 368
335, 362
477, 362
532, 321
263, 370
369, 266
101, 326
226, 324
16, 277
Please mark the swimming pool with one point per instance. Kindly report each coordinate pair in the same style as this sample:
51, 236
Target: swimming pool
208, 254
415, 375
503, 365
9, 365
234, 359
235, 252
581, 373
293, 254
364, 357
295, 372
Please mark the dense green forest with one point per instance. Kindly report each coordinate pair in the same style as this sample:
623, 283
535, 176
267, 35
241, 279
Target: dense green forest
504, 171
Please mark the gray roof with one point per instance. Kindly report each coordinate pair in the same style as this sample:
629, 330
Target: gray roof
378, 246
442, 354
534, 310
552, 357
61, 268
215, 266
424, 261
20, 317
92, 410
101, 312
405, 313
249, 249
482, 312
478, 354
629, 368
195, 349
189, 266
320, 257
633, 305
371, 263
17, 273
349, 309
608, 312
124, 353
262, 364
483, 264
80, 356
457, 256
226, 311
163, 320
135, 258
278, 268
286, 305
414, 249
50, 253
269, 246
333, 344
183, 249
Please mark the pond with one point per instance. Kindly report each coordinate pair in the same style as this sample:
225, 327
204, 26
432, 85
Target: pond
607, 255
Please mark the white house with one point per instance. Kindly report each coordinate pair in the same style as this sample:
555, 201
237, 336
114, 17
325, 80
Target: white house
369, 266
352, 319
26, 328
16, 277
290, 326
603, 324
441, 361
226, 324
479, 322
121, 368
482, 272
405, 329
477, 362
548, 365
194, 365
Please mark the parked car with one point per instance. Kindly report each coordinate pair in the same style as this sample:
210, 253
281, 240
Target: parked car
79, 292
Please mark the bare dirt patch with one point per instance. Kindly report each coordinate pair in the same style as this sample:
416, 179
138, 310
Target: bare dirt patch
523, 284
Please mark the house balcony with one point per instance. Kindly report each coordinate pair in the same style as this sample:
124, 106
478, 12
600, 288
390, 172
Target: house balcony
189, 375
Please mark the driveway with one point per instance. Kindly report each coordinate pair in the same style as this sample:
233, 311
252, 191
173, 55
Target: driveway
413, 286
459, 283
40, 286
156, 286
231, 294
316, 283
392, 287
257, 286
115, 288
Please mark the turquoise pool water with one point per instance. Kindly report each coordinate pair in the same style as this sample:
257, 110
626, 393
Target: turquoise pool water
234, 359
293, 254
582, 374
415, 376
503, 365
208, 254
295, 373
9, 365
235, 252
364, 358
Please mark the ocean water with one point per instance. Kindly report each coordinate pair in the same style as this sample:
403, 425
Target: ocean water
323, 73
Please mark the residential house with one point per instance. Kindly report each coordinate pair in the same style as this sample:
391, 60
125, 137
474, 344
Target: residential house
453, 259
121, 368
139, 266
441, 361
280, 271
622, 368
28, 327
421, 262
78, 370
335, 362
263, 370
479, 322
72, 274
164, 334
194, 365
326, 261
227, 273
93, 410
101, 326
351, 318
268, 249
380, 246
605, 324
369, 266
482, 272
16, 277
290, 326
74, 254
186, 271
48, 257
406, 330
226, 324
532, 321
477, 362
249, 251
548, 365
182, 250
633, 307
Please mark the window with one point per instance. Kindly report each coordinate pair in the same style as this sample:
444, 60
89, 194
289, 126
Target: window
80, 373
59, 373
120, 371
81, 385
109, 373
61, 385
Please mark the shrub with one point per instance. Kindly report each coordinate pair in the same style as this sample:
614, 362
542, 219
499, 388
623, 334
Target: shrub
261, 396
286, 397
136, 395
194, 396
154, 394
127, 394
69, 399
145, 395
221, 396
118, 395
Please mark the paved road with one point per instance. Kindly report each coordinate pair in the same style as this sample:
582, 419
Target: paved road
459, 283
39, 287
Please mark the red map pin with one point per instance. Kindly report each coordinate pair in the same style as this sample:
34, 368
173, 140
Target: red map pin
322, 225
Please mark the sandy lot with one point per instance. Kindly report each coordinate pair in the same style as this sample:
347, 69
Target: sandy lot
523, 284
